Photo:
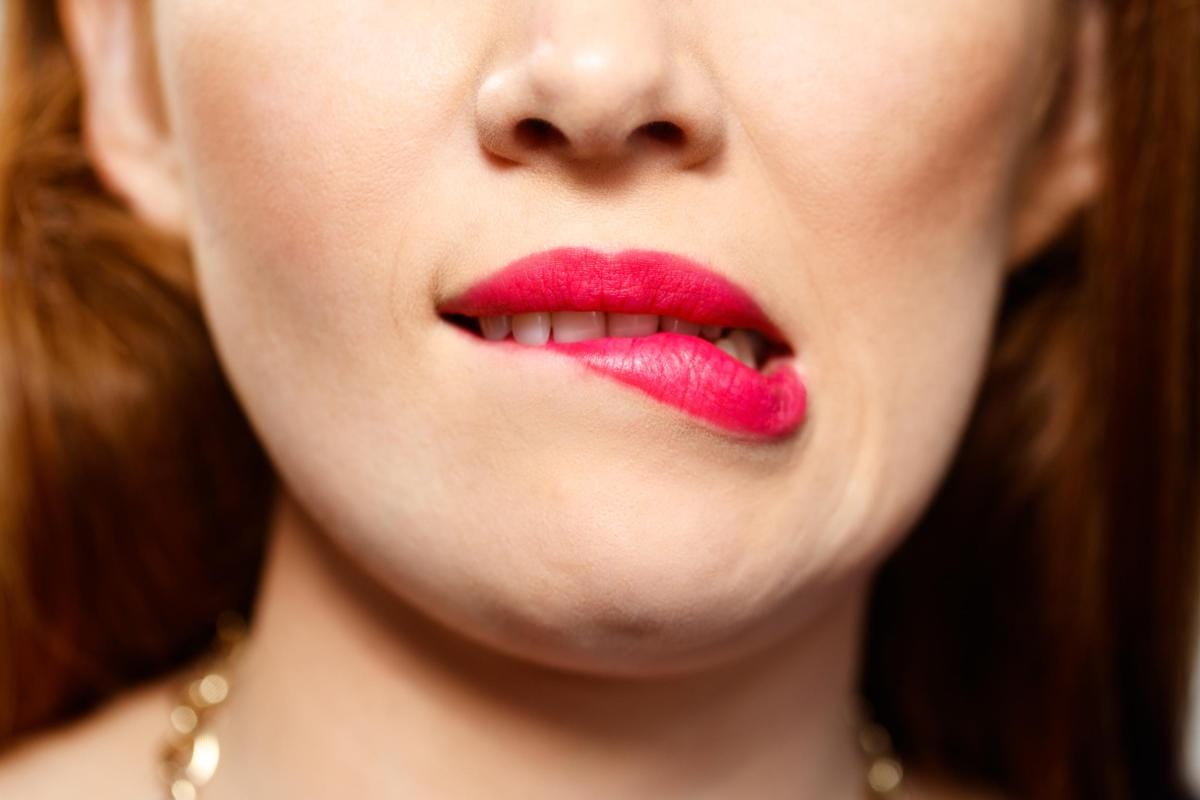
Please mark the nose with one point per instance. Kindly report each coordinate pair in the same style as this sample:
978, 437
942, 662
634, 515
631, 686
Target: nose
599, 81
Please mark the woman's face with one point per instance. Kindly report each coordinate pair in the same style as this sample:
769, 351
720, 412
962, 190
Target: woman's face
347, 168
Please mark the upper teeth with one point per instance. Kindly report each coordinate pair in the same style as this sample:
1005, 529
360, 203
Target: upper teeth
536, 328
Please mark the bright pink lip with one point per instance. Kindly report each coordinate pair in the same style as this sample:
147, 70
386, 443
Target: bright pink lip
684, 371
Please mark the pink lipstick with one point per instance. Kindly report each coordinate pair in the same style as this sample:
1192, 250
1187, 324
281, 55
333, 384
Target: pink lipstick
677, 365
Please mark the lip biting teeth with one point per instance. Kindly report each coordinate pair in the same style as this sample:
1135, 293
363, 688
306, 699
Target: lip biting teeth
537, 328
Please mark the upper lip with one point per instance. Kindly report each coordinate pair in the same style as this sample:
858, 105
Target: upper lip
633, 281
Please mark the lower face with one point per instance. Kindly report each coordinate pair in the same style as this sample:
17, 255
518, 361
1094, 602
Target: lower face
339, 195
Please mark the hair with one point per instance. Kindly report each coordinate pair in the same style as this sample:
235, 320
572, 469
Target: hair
1032, 634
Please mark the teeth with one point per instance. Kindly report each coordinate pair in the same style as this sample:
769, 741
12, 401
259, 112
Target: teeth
536, 328
622, 325
495, 328
726, 344
738, 345
532, 328
675, 325
578, 326
743, 344
759, 346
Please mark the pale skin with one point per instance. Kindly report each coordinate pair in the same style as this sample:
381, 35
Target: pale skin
506, 581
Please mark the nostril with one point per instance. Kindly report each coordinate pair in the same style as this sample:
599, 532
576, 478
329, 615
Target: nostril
662, 131
536, 132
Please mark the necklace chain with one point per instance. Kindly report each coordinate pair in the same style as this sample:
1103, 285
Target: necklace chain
190, 753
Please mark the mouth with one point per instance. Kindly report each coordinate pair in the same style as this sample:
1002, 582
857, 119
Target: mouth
654, 321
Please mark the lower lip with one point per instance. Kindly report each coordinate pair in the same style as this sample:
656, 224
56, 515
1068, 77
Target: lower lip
697, 377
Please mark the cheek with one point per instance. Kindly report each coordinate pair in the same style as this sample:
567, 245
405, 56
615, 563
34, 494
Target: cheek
891, 136
309, 132
881, 121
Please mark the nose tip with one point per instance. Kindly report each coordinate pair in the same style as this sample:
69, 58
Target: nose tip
605, 88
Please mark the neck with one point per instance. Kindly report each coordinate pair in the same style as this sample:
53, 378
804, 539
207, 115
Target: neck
342, 693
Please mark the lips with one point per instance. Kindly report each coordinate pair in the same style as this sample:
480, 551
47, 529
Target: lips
699, 360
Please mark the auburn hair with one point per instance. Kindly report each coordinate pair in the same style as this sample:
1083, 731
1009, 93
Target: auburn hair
1033, 633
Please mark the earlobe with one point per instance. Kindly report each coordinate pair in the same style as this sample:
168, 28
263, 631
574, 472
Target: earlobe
124, 127
1066, 172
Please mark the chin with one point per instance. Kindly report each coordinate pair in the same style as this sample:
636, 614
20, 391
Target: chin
609, 591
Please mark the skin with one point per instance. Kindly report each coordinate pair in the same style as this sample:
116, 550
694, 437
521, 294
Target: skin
494, 571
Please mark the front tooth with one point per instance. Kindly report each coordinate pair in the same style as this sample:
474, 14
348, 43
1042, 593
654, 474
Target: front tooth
630, 325
711, 332
495, 328
676, 325
744, 344
531, 328
578, 326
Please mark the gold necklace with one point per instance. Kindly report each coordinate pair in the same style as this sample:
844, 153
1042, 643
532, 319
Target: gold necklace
190, 754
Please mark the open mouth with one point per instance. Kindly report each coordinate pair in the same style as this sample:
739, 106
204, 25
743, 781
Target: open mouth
660, 323
750, 347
